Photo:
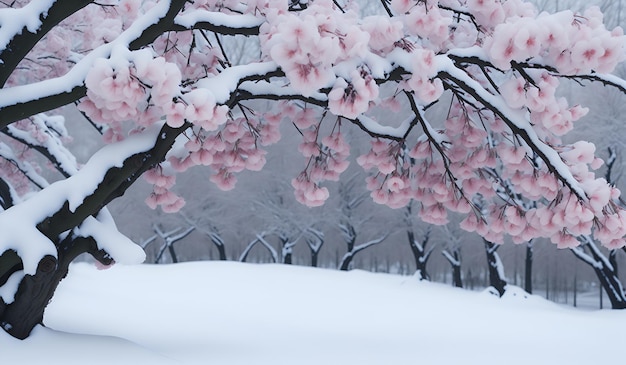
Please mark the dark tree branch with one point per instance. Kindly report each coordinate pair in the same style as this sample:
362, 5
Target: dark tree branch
113, 185
22, 43
18, 111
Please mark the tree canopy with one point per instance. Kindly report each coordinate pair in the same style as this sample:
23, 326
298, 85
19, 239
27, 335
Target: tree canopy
156, 79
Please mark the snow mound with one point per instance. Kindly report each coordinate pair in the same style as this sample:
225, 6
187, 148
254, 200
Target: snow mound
231, 313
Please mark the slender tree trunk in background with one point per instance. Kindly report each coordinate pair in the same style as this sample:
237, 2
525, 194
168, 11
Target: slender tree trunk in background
420, 254
528, 268
457, 281
172, 252
548, 286
605, 271
494, 265
454, 259
314, 258
222, 252
287, 253
470, 279
575, 287
575, 284
601, 299
346, 260
610, 284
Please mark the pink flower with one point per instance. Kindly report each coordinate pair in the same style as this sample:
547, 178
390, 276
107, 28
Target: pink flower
175, 114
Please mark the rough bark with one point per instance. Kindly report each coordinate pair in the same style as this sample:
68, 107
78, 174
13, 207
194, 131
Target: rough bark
35, 291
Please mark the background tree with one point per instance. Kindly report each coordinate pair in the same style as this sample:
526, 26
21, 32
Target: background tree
605, 266
351, 222
452, 253
155, 79
419, 245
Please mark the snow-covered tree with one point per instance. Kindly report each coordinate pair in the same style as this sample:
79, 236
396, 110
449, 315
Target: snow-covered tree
315, 240
452, 254
604, 266
168, 239
154, 78
351, 221
418, 244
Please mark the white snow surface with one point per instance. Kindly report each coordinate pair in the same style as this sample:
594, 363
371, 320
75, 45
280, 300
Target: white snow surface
232, 313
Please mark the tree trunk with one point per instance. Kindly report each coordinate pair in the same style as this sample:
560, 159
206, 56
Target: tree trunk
287, 251
170, 248
457, 281
575, 288
346, 261
314, 258
606, 273
221, 251
612, 286
35, 291
420, 254
496, 274
528, 270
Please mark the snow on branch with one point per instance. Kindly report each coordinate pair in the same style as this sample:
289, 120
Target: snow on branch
519, 125
103, 230
19, 102
226, 24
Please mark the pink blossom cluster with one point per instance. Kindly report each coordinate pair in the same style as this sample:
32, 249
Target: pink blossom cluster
350, 99
550, 114
327, 158
422, 82
490, 13
475, 163
307, 44
390, 185
59, 49
135, 86
161, 194
425, 21
194, 62
228, 150
384, 32
571, 43
402, 175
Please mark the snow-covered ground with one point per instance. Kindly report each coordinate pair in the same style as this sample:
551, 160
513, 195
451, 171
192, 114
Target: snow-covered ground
233, 313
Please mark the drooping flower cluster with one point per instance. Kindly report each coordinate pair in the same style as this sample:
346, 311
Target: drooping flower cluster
497, 150
351, 99
307, 44
327, 158
571, 43
425, 21
228, 150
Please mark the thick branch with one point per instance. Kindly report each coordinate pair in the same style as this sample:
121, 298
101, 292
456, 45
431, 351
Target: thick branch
21, 43
51, 94
226, 24
113, 185
552, 161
